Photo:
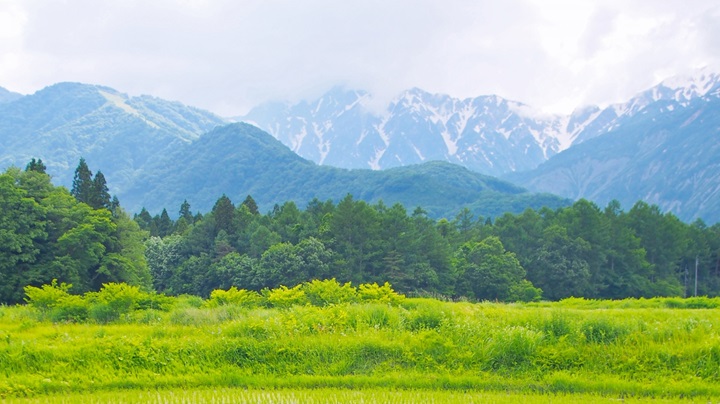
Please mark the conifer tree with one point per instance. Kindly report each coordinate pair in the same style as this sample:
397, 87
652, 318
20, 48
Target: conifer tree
37, 166
114, 205
224, 213
251, 205
185, 212
100, 197
143, 219
82, 186
164, 224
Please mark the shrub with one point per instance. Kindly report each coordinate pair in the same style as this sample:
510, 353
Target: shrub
327, 292
47, 296
235, 296
524, 291
54, 301
71, 308
283, 297
113, 300
371, 292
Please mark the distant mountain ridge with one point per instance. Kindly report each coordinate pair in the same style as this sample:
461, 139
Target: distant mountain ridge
545, 153
240, 160
488, 134
8, 96
156, 153
114, 132
668, 155
660, 146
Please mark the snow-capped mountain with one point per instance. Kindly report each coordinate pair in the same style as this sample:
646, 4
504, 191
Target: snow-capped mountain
487, 134
663, 147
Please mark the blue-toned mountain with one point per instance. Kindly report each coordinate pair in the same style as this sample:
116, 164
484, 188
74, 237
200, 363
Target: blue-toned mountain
8, 96
239, 160
665, 151
114, 132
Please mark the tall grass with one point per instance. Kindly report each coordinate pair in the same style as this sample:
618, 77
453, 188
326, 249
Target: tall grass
570, 347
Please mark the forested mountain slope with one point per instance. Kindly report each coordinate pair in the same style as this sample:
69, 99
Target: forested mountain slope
114, 132
669, 155
240, 159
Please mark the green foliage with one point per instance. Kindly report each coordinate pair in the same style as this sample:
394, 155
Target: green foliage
524, 291
328, 292
241, 297
47, 296
284, 297
55, 303
47, 234
113, 301
372, 292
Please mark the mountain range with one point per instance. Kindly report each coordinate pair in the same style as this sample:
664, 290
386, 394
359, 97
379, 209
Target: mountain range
156, 154
660, 146
116, 133
240, 159
499, 137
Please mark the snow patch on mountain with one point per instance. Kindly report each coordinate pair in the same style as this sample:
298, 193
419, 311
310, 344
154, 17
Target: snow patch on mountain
118, 101
488, 134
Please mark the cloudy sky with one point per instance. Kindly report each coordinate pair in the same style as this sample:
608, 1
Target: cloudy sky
229, 55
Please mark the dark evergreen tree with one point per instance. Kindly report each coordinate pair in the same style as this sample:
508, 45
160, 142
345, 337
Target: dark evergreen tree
163, 224
114, 205
224, 213
185, 212
82, 186
251, 205
36, 166
143, 219
99, 197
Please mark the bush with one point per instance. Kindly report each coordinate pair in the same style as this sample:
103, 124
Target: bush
54, 301
327, 292
71, 308
113, 301
47, 296
235, 296
371, 292
524, 291
283, 297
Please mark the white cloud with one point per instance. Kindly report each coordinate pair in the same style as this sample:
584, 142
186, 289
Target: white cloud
227, 55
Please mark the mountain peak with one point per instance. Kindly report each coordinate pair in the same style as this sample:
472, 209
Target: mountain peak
8, 96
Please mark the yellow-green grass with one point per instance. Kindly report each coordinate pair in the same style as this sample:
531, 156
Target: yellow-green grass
542, 351
327, 396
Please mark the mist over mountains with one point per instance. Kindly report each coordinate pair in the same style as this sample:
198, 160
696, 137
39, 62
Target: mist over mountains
506, 138
661, 146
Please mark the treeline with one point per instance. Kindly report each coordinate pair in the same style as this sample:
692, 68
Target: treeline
581, 250
81, 237
84, 238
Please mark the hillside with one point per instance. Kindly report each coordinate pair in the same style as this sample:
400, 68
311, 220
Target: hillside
113, 131
8, 96
667, 155
240, 159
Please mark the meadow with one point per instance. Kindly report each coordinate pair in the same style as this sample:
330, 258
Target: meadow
302, 346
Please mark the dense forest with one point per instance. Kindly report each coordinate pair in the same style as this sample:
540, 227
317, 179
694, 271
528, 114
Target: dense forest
83, 237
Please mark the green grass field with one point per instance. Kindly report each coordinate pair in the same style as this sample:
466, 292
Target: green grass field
330, 396
370, 352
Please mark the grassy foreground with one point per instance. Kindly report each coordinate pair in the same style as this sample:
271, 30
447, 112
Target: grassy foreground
498, 352
327, 396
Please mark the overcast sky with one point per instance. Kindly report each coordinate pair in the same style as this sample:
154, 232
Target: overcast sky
229, 55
